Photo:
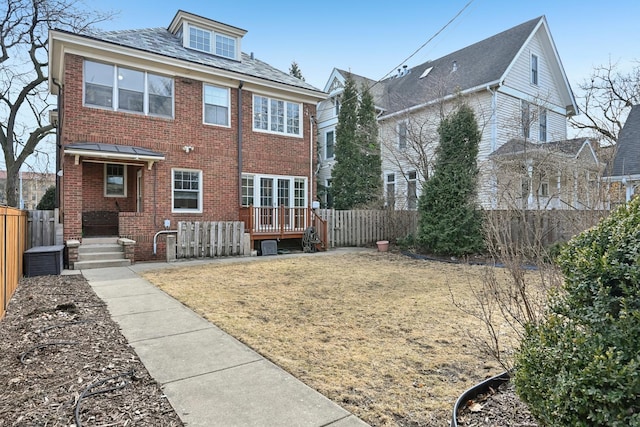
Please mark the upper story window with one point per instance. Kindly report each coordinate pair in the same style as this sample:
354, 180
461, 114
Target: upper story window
542, 119
402, 135
212, 42
274, 115
534, 69
126, 89
330, 140
337, 105
216, 105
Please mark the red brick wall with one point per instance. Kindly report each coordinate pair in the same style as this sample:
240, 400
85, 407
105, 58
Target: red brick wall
215, 153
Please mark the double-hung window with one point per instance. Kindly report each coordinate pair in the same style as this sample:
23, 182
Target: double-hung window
526, 119
329, 140
534, 70
542, 119
216, 105
186, 187
277, 116
412, 190
125, 89
391, 191
402, 135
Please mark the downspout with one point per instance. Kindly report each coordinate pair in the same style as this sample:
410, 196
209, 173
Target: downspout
311, 118
494, 137
58, 145
240, 143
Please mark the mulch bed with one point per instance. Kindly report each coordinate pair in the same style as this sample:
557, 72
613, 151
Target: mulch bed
64, 362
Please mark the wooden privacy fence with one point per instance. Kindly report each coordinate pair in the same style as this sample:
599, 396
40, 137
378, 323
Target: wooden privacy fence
204, 239
363, 227
13, 229
41, 228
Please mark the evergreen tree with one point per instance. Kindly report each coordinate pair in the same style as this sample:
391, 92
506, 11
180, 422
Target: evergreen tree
48, 201
357, 174
370, 188
345, 171
450, 222
294, 70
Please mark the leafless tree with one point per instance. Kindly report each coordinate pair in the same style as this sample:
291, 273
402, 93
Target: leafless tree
24, 100
605, 100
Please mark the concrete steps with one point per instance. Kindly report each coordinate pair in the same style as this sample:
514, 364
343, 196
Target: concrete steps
100, 252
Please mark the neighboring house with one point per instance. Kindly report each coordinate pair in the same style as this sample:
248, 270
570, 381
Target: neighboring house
178, 124
625, 168
32, 186
518, 89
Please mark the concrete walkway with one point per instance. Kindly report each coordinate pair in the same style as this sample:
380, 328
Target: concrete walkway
210, 378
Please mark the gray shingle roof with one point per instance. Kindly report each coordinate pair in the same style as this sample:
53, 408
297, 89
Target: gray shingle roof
476, 65
162, 42
569, 147
627, 157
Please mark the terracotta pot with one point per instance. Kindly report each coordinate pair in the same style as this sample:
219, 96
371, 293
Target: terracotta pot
383, 245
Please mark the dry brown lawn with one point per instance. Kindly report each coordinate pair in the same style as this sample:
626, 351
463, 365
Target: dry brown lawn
377, 333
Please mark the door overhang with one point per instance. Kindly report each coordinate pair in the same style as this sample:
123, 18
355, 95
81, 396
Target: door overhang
112, 152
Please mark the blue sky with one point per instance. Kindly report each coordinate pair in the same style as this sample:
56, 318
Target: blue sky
373, 38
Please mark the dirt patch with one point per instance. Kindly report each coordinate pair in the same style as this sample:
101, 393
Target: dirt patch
61, 354
378, 333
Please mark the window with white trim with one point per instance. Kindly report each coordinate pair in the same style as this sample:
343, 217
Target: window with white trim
274, 190
412, 190
402, 135
542, 119
534, 69
216, 105
277, 116
115, 180
543, 191
526, 119
125, 89
391, 190
329, 144
212, 42
186, 192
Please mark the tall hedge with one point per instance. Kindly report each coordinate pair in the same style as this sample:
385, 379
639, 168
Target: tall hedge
581, 365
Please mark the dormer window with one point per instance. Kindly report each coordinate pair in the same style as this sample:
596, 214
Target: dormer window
212, 42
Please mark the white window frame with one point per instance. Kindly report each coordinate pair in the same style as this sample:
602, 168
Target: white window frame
525, 117
115, 91
333, 145
285, 119
390, 183
295, 183
402, 135
218, 42
124, 177
543, 191
173, 190
227, 106
542, 124
535, 69
412, 199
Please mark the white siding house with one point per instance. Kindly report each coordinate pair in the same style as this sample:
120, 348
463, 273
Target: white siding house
517, 87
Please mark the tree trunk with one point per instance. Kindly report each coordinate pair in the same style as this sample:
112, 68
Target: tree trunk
12, 187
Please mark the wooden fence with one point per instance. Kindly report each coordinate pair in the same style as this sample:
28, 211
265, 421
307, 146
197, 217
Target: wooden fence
364, 227
43, 229
203, 239
13, 229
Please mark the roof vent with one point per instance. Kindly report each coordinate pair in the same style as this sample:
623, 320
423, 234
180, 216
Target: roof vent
454, 67
252, 57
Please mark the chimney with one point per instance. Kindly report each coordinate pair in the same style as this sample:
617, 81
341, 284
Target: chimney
252, 57
404, 70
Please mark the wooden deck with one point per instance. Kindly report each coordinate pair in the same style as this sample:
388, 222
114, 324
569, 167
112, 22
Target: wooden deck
282, 223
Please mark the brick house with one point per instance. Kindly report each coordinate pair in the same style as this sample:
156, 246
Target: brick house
179, 124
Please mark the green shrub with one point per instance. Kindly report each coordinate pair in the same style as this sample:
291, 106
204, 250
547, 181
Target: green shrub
48, 201
581, 365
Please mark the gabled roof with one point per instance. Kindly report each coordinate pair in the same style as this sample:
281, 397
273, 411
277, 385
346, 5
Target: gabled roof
375, 88
627, 158
571, 148
473, 68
